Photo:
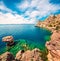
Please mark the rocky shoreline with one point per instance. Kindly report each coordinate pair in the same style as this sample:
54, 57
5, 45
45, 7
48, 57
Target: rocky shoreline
52, 23
53, 51
22, 55
53, 46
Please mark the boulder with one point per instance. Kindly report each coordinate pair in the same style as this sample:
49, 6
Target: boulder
7, 56
9, 40
19, 55
29, 55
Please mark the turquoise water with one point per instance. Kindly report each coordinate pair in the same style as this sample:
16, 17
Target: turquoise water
30, 33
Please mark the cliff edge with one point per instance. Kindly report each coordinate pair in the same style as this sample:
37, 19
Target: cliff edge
52, 23
53, 47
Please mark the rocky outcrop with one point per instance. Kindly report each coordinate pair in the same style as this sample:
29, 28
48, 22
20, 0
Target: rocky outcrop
7, 56
19, 55
9, 40
53, 47
52, 23
28, 55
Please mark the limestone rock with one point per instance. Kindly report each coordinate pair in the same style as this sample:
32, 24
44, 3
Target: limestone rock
19, 55
53, 47
29, 55
7, 56
52, 23
9, 40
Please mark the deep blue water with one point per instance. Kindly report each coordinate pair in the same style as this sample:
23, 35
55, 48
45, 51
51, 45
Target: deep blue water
28, 32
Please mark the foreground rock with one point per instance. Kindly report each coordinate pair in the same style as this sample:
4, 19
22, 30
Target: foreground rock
53, 47
9, 40
7, 56
28, 55
34, 55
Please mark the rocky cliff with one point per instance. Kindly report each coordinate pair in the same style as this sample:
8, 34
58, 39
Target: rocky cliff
7, 56
34, 55
29, 55
52, 23
53, 47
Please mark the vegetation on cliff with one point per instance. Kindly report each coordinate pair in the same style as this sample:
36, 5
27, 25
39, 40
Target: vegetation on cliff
52, 23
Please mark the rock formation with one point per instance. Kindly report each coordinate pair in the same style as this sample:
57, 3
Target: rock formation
9, 40
19, 55
7, 56
28, 55
53, 47
52, 23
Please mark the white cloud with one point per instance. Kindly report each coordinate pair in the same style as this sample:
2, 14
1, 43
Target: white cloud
43, 8
4, 8
8, 18
24, 5
34, 14
34, 8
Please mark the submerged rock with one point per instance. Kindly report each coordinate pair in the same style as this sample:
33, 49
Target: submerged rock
9, 40
7, 56
29, 55
53, 47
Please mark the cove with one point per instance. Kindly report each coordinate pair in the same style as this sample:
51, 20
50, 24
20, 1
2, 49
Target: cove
24, 33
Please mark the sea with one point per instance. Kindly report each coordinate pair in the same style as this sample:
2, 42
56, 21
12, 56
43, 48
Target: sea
28, 32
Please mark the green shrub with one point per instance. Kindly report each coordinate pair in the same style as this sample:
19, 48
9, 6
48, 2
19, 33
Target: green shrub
50, 25
58, 27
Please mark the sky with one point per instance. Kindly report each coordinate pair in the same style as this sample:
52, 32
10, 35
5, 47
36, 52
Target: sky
27, 11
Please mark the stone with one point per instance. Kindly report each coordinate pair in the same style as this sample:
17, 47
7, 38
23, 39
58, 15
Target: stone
7, 56
52, 23
19, 55
9, 40
29, 55
53, 47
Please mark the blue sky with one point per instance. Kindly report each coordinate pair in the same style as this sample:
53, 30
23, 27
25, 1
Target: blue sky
27, 11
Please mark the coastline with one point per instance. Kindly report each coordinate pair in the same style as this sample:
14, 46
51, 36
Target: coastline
52, 51
52, 46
